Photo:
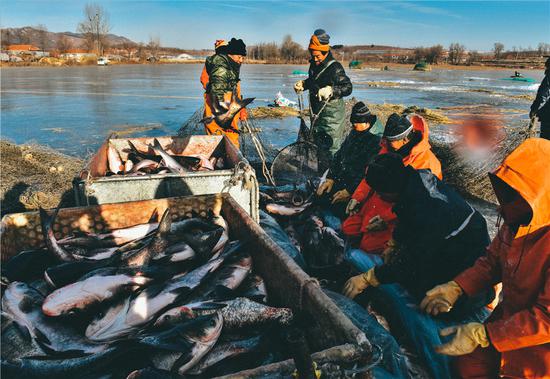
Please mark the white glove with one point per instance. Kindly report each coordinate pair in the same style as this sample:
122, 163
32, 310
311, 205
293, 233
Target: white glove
299, 86
352, 207
325, 93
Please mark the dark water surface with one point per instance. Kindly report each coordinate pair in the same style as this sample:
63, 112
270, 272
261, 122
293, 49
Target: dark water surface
74, 109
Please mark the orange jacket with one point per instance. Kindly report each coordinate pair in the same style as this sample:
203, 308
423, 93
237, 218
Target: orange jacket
421, 157
519, 327
205, 78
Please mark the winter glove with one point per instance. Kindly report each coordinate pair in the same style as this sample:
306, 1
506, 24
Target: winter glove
377, 224
467, 338
342, 195
352, 207
243, 115
324, 93
299, 86
357, 284
441, 298
325, 187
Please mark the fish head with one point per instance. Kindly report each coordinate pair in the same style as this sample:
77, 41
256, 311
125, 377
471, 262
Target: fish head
110, 324
19, 298
205, 329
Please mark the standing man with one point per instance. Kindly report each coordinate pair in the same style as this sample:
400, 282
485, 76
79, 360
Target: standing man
541, 105
327, 85
515, 341
223, 71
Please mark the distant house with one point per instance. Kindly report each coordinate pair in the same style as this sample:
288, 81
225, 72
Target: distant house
27, 50
184, 57
77, 54
4, 57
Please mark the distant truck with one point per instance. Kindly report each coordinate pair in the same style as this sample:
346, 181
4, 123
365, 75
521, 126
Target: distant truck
102, 61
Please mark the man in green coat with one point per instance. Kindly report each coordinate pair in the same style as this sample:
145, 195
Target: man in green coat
327, 85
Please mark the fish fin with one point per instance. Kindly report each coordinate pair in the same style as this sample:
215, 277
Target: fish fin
154, 217
182, 360
165, 223
156, 144
42, 339
244, 102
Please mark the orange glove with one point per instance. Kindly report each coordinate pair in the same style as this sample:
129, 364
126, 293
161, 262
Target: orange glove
243, 115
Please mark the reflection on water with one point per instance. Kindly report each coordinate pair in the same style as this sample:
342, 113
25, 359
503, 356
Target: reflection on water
73, 109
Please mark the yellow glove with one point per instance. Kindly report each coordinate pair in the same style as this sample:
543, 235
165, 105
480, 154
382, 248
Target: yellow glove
441, 298
376, 224
325, 187
340, 196
467, 338
324, 93
357, 284
299, 86
353, 207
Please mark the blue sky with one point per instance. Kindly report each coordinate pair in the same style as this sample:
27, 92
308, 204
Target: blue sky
196, 24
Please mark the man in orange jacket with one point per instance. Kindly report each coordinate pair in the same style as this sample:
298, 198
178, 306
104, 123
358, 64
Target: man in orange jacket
375, 220
515, 341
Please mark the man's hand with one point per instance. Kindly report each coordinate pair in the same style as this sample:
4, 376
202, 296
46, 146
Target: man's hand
325, 93
325, 187
299, 86
353, 207
377, 224
342, 195
357, 284
243, 115
467, 338
441, 298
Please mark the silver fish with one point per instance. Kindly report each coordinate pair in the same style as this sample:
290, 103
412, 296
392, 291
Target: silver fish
286, 210
113, 159
170, 162
100, 285
22, 304
225, 112
185, 312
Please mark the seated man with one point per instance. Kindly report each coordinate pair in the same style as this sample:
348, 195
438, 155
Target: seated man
348, 164
374, 222
437, 235
515, 340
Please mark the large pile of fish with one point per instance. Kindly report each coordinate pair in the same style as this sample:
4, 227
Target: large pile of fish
164, 298
156, 160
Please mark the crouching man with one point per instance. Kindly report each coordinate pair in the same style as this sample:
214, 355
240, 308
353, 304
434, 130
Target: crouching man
436, 236
515, 340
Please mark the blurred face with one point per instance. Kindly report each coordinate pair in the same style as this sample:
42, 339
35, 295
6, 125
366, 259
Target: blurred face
318, 56
396, 145
237, 58
361, 126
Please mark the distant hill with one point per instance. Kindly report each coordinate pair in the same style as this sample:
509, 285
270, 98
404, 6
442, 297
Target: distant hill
32, 36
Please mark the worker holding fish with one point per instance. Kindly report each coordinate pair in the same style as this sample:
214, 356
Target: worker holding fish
515, 341
541, 106
327, 85
223, 70
436, 236
349, 163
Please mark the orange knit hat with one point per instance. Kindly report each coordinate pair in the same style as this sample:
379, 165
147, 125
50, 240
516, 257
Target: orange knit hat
220, 42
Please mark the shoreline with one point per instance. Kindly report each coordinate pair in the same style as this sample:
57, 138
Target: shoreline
368, 66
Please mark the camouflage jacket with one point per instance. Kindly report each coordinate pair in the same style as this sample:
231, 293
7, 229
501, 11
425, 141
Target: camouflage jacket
223, 73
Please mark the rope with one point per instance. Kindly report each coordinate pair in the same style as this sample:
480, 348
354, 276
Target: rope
315, 117
260, 150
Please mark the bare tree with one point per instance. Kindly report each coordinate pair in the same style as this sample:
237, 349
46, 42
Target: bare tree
498, 48
153, 45
292, 51
63, 44
95, 27
456, 53
128, 47
473, 56
434, 54
543, 48
42, 36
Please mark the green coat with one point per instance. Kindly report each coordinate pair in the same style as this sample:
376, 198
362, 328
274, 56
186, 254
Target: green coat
223, 75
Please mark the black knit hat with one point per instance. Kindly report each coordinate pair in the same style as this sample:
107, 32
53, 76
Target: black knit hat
397, 127
360, 113
322, 36
236, 47
386, 173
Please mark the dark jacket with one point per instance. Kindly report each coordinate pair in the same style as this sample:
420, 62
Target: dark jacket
223, 74
438, 233
541, 105
348, 165
327, 74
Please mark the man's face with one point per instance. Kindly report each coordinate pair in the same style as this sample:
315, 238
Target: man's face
398, 144
361, 126
318, 56
237, 58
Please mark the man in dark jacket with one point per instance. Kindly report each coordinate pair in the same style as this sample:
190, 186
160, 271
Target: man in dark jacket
437, 235
327, 85
348, 164
223, 78
541, 105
